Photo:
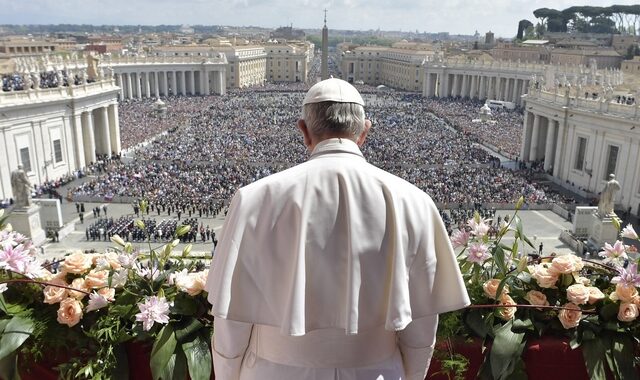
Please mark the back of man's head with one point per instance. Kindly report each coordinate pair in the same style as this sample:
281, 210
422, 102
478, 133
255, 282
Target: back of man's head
334, 108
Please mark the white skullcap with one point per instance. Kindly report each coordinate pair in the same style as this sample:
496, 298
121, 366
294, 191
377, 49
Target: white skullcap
333, 90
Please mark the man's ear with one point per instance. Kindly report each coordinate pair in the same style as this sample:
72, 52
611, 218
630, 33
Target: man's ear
365, 132
302, 126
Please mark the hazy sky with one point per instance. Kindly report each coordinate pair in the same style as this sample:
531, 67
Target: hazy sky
454, 16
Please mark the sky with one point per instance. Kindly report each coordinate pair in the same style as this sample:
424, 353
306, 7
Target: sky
453, 16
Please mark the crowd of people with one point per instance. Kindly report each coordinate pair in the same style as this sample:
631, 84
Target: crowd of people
504, 132
205, 148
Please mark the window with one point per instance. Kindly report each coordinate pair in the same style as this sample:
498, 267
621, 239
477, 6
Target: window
25, 159
57, 150
612, 160
582, 147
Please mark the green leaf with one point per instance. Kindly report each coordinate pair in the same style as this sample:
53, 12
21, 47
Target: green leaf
163, 348
623, 353
187, 328
616, 223
498, 257
176, 368
474, 320
3, 324
609, 311
184, 304
198, 358
522, 325
15, 333
506, 351
593, 352
9, 367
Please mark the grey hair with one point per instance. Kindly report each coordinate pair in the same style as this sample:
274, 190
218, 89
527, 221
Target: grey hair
332, 118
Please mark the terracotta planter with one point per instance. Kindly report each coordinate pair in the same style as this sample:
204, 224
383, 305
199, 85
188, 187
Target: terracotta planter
138, 355
545, 358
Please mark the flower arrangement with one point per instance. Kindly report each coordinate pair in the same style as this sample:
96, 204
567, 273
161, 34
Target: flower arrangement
515, 297
97, 303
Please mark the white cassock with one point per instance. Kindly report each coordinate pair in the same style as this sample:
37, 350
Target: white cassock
332, 269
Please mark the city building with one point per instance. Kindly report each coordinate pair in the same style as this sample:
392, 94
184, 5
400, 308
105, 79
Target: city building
288, 62
398, 66
57, 131
582, 140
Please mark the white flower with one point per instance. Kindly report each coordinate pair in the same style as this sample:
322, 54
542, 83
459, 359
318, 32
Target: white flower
119, 278
629, 232
154, 309
96, 301
3, 288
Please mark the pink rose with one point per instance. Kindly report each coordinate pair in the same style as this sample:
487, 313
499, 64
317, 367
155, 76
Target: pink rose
506, 313
70, 312
543, 276
578, 294
491, 288
595, 295
78, 283
566, 264
55, 294
536, 298
97, 279
77, 263
625, 293
570, 315
108, 293
628, 312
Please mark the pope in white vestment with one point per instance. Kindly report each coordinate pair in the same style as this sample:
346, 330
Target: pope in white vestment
332, 269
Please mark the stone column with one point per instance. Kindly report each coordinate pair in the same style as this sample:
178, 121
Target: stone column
549, 148
147, 85
483, 88
533, 153
88, 138
157, 84
427, 88
78, 142
121, 85
192, 82
183, 82
205, 81
473, 87
560, 149
223, 82
105, 139
165, 83
464, 92
129, 86
526, 138
138, 86
114, 128
454, 91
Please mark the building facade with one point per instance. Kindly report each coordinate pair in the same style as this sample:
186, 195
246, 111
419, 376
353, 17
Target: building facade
583, 140
56, 131
288, 62
400, 66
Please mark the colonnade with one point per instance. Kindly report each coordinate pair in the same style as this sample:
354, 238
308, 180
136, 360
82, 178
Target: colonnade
95, 132
543, 138
507, 87
153, 83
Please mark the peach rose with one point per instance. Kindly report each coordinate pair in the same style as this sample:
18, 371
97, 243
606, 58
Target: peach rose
191, 283
566, 264
200, 279
536, 298
491, 288
625, 293
628, 312
112, 259
578, 294
77, 263
78, 283
70, 312
97, 279
543, 276
108, 293
55, 294
506, 313
595, 295
570, 315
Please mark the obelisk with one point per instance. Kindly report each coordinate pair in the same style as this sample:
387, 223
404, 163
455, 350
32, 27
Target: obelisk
324, 65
